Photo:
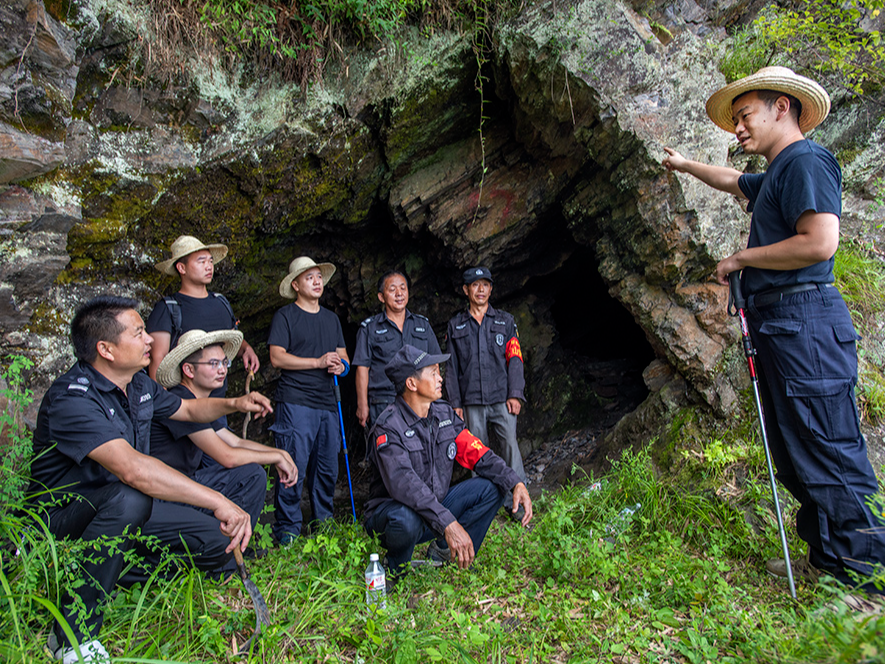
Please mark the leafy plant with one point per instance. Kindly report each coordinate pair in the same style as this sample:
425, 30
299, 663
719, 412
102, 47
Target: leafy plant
15, 439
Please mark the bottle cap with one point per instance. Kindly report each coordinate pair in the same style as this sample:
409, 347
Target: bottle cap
373, 557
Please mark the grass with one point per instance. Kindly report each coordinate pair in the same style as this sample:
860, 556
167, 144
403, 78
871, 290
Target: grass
679, 581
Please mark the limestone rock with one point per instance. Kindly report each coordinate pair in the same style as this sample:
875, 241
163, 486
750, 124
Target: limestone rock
25, 155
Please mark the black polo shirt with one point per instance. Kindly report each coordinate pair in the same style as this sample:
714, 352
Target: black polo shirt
83, 410
413, 458
377, 341
170, 439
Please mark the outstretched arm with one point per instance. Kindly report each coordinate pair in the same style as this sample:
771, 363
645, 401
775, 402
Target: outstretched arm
719, 177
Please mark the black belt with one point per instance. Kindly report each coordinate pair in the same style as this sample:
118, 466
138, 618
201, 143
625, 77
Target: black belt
777, 294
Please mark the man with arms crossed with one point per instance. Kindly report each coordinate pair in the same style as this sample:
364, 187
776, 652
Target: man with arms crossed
307, 344
798, 320
379, 337
413, 449
92, 474
192, 370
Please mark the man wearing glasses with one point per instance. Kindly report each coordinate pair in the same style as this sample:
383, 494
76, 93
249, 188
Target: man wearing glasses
192, 370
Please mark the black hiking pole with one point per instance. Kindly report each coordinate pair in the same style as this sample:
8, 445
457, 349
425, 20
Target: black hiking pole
344, 443
736, 306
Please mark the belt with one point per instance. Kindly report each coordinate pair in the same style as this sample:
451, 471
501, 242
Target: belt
777, 294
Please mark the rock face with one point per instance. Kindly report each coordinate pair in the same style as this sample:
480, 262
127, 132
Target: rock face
596, 249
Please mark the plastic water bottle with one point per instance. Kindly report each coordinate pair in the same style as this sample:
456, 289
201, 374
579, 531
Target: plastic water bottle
376, 583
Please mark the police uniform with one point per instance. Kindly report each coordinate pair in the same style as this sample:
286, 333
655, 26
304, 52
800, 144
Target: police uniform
412, 458
486, 369
81, 411
377, 340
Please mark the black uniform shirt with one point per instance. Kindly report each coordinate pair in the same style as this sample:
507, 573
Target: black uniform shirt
81, 411
413, 458
377, 341
170, 439
485, 366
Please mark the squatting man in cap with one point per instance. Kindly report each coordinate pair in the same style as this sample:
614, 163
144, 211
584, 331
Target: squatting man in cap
193, 370
194, 306
798, 320
379, 337
92, 475
412, 451
484, 377
307, 344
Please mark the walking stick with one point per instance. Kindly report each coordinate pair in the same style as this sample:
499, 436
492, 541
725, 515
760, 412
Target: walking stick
736, 307
344, 443
248, 415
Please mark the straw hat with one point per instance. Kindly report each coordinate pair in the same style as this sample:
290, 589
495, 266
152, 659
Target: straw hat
814, 99
169, 371
185, 245
297, 267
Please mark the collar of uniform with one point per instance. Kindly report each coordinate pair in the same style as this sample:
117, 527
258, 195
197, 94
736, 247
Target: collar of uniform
410, 417
384, 317
96, 378
491, 311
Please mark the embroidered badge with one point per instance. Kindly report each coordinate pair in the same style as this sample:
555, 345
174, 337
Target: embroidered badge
144, 397
381, 441
499, 339
461, 326
113, 412
384, 331
445, 423
83, 380
82, 388
478, 271
409, 433
452, 450
420, 329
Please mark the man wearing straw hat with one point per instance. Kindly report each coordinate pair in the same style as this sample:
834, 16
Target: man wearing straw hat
92, 476
193, 370
194, 306
307, 344
798, 320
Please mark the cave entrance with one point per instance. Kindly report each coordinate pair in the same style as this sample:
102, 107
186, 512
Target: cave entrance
600, 336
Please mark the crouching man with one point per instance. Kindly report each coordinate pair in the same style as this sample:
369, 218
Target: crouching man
413, 448
193, 370
92, 474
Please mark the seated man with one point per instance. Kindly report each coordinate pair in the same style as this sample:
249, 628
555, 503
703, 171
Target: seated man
193, 370
417, 439
92, 475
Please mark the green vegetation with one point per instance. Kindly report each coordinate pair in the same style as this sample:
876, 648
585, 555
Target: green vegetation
824, 39
297, 40
679, 580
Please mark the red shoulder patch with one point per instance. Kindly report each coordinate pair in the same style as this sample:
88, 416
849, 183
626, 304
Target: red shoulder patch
381, 440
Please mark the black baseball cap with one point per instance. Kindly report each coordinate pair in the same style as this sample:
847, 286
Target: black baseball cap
407, 362
472, 274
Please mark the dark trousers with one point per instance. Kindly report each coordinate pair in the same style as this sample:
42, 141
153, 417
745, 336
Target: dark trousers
192, 534
473, 502
313, 439
808, 369
111, 511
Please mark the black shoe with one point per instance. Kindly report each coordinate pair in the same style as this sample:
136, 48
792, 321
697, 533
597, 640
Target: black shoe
439, 554
514, 516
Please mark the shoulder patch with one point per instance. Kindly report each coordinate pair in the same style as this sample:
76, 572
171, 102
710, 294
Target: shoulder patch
461, 326
366, 322
81, 388
381, 441
421, 316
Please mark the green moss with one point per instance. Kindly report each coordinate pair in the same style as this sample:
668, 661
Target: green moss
47, 321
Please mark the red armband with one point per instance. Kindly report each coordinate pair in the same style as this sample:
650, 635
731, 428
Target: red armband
470, 449
513, 349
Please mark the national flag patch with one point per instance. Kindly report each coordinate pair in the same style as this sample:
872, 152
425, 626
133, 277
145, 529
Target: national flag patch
381, 440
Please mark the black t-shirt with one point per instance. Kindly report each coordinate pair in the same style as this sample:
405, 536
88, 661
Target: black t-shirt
804, 176
170, 442
304, 334
208, 313
83, 410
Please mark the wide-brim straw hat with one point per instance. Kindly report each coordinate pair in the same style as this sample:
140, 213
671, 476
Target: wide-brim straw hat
169, 371
297, 267
185, 245
814, 99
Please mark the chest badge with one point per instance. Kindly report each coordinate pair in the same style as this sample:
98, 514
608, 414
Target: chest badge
452, 451
499, 339
409, 433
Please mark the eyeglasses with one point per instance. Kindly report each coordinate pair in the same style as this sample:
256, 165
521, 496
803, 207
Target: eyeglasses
215, 364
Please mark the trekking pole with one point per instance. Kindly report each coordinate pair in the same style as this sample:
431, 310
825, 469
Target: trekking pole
736, 306
344, 443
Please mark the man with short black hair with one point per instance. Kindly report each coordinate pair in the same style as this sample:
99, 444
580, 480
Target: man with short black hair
192, 370
413, 448
194, 306
307, 344
378, 339
485, 381
798, 321
92, 475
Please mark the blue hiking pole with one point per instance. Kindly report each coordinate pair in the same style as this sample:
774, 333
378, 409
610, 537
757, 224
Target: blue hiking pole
344, 442
736, 307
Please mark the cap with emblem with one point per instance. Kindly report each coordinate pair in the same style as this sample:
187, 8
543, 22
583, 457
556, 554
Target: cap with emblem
407, 362
472, 274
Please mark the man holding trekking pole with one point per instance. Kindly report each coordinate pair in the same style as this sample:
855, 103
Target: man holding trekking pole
798, 320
